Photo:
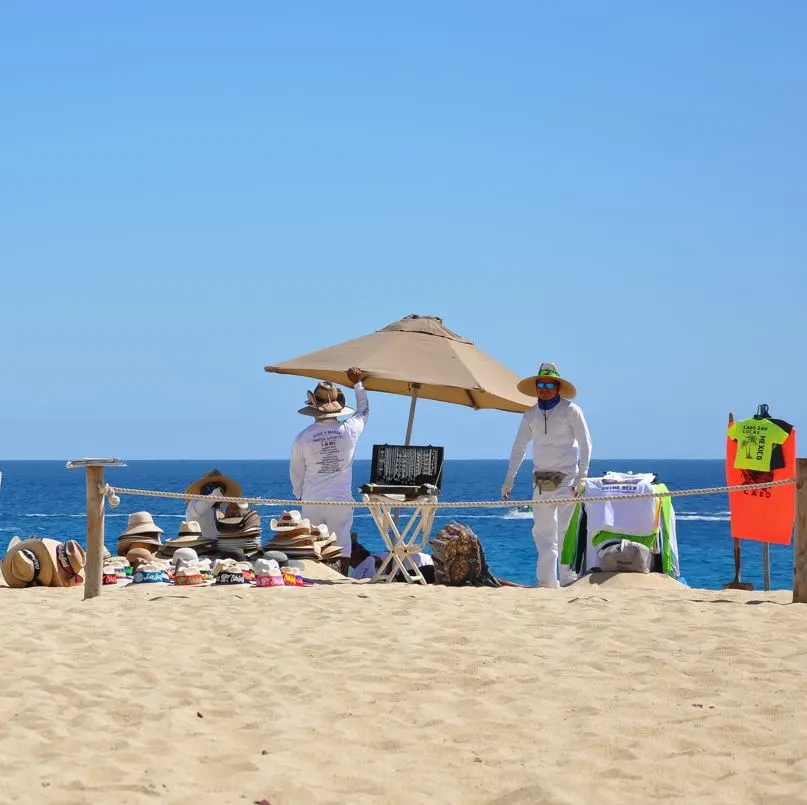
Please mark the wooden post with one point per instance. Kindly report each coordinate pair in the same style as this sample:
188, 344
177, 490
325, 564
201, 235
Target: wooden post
766, 566
800, 537
95, 520
95, 532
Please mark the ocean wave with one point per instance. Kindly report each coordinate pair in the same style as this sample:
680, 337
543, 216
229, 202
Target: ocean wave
706, 518
106, 514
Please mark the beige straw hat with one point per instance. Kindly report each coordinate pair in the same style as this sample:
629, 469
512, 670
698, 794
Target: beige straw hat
547, 371
43, 562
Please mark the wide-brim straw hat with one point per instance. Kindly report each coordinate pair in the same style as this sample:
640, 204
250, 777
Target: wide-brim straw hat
232, 489
140, 523
547, 371
313, 570
326, 401
189, 530
43, 562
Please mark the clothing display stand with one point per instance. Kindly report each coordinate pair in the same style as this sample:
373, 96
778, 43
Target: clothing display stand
402, 543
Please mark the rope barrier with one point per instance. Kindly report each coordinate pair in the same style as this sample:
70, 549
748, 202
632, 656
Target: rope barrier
112, 494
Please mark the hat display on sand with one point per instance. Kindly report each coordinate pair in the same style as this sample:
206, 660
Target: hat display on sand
43, 562
232, 489
326, 401
547, 371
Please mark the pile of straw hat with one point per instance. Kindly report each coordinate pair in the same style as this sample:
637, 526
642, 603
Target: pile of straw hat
239, 530
141, 532
189, 536
298, 539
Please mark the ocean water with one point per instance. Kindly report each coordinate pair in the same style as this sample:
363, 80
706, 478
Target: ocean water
43, 498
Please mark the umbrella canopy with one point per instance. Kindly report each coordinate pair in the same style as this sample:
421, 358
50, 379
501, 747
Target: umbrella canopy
417, 356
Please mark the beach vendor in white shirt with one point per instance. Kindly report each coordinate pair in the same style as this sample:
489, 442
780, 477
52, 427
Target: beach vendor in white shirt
205, 512
561, 452
321, 465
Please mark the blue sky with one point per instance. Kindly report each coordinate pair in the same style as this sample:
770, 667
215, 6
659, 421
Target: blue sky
192, 190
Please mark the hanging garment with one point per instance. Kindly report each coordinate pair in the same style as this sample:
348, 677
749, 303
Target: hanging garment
759, 443
633, 517
581, 547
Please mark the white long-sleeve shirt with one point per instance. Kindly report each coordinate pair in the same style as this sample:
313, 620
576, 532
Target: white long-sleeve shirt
203, 512
557, 435
321, 465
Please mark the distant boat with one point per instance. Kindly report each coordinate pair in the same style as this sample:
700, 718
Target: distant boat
519, 513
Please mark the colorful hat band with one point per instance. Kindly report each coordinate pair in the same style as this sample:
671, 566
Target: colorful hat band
270, 581
230, 578
291, 579
189, 581
150, 576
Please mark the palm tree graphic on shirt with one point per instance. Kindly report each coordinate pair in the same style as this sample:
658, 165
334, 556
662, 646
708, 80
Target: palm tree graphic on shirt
749, 442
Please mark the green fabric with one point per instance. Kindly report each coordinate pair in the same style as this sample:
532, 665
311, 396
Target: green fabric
755, 442
609, 536
569, 552
667, 559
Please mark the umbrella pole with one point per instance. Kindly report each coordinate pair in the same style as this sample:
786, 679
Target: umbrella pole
412, 404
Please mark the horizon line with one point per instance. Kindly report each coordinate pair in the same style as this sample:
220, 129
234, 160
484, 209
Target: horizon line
10, 460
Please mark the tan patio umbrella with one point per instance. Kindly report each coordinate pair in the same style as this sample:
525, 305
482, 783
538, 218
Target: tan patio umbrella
417, 356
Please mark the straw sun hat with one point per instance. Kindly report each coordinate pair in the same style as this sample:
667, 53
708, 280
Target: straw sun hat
547, 371
326, 401
43, 562
140, 524
232, 489
291, 521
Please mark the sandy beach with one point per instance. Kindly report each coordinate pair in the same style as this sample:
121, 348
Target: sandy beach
632, 690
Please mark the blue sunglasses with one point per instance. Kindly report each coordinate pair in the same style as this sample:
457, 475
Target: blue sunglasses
539, 384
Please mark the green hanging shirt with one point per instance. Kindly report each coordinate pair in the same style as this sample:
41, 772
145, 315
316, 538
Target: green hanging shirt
756, 439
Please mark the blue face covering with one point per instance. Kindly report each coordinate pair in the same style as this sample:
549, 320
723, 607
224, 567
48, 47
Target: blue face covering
548, 405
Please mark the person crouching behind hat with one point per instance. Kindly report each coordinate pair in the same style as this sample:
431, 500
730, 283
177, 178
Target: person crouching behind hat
213, 484
321, 465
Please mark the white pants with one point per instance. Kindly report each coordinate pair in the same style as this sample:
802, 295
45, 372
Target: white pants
339, 520
548, 530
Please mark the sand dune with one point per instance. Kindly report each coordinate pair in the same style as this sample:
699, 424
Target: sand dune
606, 693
